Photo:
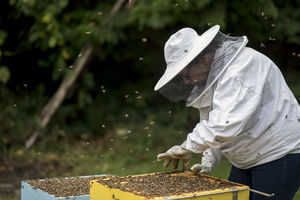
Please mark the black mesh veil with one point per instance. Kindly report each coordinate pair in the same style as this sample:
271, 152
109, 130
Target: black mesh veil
201, 72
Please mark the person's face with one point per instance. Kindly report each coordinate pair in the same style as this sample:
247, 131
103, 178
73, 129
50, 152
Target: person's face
198, 73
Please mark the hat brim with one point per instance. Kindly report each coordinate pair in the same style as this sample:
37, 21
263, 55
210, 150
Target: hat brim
200, 43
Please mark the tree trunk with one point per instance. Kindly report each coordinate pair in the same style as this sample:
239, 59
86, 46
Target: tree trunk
59, 95
68, 81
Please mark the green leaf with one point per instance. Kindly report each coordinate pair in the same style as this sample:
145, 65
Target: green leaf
3, 36
46, 18
52, 42
270, 9
4, 74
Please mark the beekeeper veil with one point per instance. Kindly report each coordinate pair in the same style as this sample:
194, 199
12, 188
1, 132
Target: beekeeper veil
195, 62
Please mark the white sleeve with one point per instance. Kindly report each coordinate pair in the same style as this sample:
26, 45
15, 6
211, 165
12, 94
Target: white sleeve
213, 155
233, 105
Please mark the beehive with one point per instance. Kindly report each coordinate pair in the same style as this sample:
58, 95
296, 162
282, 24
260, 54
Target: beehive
52, 189
167, 185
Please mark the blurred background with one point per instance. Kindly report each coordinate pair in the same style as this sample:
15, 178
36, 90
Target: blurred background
77, 79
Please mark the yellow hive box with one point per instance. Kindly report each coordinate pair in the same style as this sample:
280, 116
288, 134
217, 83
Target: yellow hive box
167, 185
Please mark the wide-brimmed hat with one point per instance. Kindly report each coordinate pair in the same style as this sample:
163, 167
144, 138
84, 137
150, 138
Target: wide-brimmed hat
181, 48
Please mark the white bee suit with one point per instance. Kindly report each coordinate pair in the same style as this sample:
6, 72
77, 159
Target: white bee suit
247, 112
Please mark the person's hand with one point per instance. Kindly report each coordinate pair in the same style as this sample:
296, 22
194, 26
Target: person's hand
175, 154
207, 165
205, 168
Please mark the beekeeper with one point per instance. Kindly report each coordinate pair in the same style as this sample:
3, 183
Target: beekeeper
247, 111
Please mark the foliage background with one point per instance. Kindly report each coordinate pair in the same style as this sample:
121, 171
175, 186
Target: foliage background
112, 105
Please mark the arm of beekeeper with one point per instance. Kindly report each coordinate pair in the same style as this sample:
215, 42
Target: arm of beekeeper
210, 160
235, 100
